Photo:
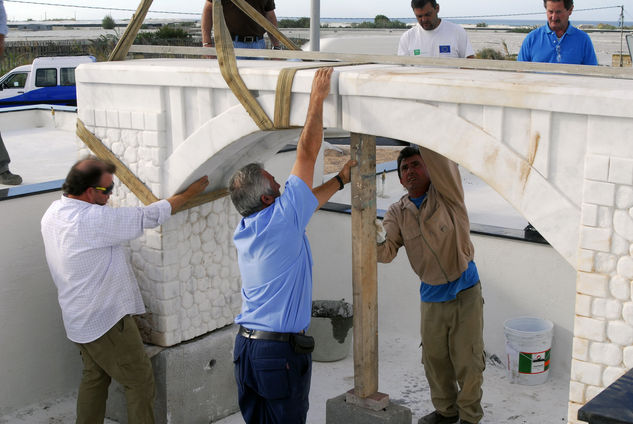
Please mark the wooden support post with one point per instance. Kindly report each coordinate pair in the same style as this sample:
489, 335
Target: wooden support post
364, 271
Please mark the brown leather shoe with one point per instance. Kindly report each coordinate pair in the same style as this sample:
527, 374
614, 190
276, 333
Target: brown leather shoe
437, 418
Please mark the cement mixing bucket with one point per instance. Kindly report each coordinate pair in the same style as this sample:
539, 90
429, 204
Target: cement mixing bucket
528, 345
330, 326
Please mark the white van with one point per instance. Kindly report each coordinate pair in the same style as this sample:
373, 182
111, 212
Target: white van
49, 80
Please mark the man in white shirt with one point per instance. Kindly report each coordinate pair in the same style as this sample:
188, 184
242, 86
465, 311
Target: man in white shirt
434, 37
96, 288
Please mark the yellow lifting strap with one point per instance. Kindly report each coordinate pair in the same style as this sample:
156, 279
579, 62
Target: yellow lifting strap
230, 72
283, 92
228, 68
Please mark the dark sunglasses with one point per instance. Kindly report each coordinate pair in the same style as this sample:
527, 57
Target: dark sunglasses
106, 190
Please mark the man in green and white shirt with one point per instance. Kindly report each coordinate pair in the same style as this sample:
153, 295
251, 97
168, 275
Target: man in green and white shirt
434, 37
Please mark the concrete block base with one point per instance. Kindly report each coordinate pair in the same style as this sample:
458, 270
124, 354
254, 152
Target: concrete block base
194, 381
338, 411
375, 402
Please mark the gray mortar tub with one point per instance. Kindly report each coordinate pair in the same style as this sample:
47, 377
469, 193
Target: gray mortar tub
330, 326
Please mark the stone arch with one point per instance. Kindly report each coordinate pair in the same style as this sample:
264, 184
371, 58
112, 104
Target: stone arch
222, 144
509, 173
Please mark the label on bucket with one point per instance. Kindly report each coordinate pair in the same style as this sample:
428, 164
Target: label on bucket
534, 362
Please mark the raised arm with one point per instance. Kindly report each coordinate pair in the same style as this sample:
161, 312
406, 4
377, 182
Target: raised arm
312, 134
444, 175
206, 23
197, 187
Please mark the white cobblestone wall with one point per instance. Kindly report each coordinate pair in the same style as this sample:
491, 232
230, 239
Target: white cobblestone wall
186, 269
603, 335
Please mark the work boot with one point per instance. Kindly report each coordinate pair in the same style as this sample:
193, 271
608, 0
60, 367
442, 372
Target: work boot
465, 422
437, 418
10, 179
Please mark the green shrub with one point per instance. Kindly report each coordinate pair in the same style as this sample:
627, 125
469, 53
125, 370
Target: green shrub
294, 23
166, 32
380, 21
482, 25
489, 53
523, 29
102, 47
107, 22
607, 26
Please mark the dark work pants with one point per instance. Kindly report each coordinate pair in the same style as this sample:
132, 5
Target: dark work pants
273, 382
4, 157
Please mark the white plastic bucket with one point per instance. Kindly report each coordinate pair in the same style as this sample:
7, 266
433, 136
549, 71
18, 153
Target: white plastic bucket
528, 346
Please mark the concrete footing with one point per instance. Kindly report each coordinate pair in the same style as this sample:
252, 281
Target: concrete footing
194, 382
338, 411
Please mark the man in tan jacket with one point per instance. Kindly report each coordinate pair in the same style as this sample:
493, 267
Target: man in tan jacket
431, 222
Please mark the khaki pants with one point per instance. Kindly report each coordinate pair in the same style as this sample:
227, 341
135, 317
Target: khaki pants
117, 354
453, 353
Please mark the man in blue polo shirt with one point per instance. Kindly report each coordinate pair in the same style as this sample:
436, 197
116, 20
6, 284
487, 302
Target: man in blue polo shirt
273, 364
558, 41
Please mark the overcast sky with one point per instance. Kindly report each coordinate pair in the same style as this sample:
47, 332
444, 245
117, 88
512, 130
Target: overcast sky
18, 10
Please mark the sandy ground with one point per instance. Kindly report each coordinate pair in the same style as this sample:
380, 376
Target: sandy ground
400, 375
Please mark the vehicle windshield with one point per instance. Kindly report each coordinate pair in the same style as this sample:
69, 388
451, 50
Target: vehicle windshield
16, 80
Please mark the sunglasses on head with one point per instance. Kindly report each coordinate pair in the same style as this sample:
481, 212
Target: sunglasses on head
105, 190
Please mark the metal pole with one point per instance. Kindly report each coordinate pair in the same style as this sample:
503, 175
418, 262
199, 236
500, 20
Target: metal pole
621, 35
315, 26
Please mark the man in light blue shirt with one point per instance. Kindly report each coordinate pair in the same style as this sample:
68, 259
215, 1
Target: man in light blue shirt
273, 364
558, 41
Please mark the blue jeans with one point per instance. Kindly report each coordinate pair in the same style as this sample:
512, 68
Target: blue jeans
273, 382
259, 44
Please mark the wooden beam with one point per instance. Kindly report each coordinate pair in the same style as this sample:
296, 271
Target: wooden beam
365, 270
230, 72
203, 198
473, 64
121, 49
126, 176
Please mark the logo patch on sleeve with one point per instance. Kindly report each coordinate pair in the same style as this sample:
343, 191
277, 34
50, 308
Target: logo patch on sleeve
445, 49
416, 52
